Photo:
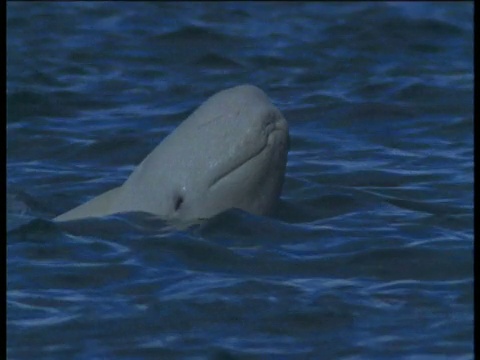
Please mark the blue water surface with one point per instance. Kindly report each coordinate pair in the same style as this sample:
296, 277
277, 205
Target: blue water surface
370, 253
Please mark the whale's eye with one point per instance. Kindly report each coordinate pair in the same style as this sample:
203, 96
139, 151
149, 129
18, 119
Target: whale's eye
178, 202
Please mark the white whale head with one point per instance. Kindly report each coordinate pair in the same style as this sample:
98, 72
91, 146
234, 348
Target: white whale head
229, 153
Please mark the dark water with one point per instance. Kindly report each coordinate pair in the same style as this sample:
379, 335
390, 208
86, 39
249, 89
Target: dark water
371, 253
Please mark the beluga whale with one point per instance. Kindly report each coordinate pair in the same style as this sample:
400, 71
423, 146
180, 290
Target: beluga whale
231, 152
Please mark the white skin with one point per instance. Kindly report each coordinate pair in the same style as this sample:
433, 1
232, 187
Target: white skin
230, 153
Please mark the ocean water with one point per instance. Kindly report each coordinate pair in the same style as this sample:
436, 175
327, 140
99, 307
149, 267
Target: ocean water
370, 253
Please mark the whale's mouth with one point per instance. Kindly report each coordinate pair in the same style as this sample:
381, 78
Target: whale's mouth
271, 130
